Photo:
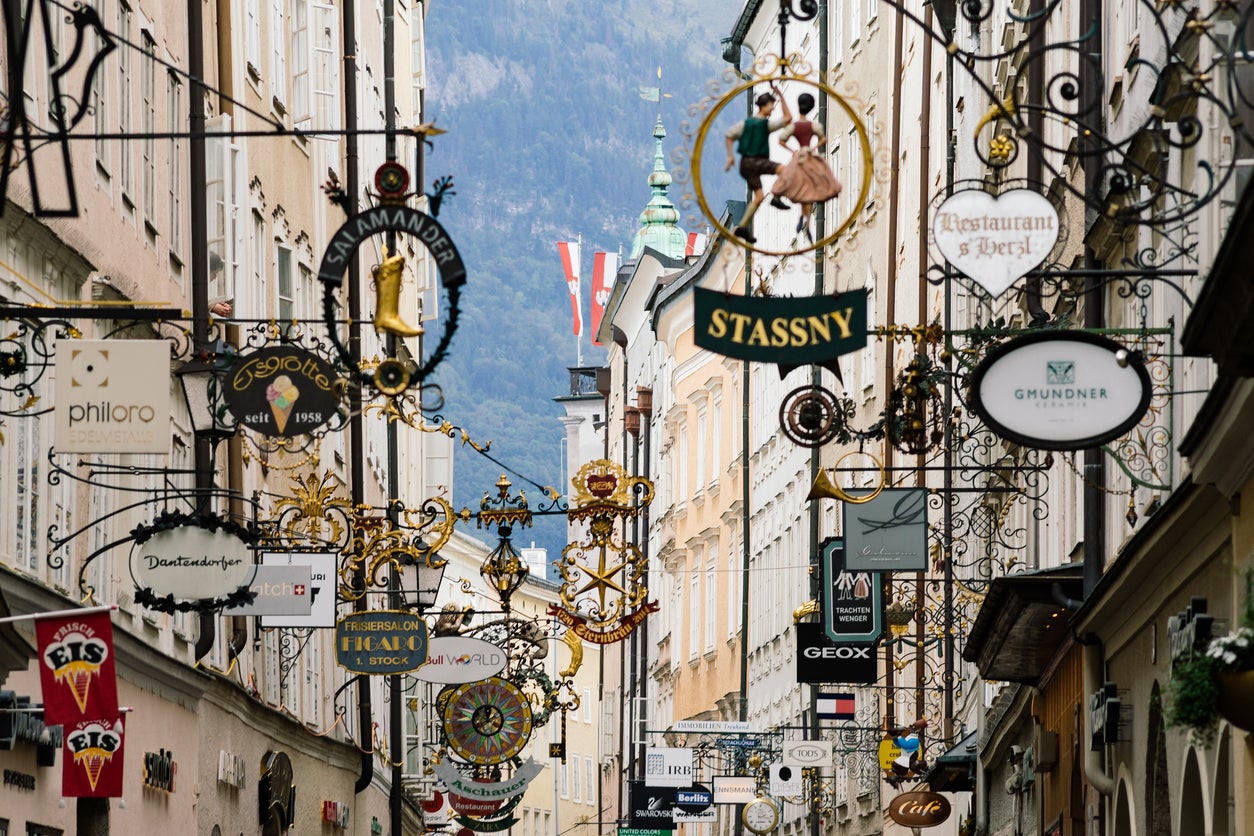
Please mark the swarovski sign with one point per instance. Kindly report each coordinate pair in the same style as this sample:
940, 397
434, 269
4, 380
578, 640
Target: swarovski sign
1061, 390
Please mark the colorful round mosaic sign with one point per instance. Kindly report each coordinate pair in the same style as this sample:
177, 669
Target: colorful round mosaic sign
487, 722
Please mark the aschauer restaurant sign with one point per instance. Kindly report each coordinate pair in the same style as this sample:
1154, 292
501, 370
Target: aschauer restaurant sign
787, 331
381, 642
1060, 390
283, 391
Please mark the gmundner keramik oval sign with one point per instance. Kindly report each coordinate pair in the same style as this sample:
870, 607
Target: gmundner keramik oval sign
1060, 390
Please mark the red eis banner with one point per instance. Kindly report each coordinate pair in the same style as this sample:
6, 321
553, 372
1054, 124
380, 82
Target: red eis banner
76, 667
91, 759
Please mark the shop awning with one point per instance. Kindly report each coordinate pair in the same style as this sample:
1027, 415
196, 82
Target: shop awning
15, 651
954, 771
1022, 623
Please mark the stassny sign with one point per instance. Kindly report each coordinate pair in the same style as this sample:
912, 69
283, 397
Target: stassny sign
786, 331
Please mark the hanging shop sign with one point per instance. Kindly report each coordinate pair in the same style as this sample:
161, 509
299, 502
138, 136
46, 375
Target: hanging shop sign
1189, 632
194, 559
279, 590
381, 642
853, 601
919, 809
473, 806
1107, 713
651, 807
713, 727
322, 569
336, 813
888, 533
454, 660
283, 391
789, 331
232, 770
889, 753
1060, 390
276, 793
468, 787
21, 723
694, 799
78, 673
106, 400
667, 766
820, 660
734, 789
91, 763
807, 754
995, 239
784, 780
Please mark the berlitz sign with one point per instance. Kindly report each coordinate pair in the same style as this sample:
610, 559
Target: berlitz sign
1061, 390
995, 240
192, 563
454, 660
106, 400
788, 331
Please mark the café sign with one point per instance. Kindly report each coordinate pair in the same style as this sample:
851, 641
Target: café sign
381, 642
1060, 390
191, 562
995, 239
919, 809
788, 331
283, 391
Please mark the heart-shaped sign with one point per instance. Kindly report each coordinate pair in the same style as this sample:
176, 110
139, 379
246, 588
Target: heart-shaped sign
995, 240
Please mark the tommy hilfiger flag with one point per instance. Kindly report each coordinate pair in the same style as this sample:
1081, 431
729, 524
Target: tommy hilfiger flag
836, 707
570, 252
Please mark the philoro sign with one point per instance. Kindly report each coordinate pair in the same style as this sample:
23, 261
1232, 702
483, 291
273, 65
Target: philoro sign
106, 400
1061, 390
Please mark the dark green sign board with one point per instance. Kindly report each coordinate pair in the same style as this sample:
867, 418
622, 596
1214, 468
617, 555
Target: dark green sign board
789, 331
381, 642
853, 600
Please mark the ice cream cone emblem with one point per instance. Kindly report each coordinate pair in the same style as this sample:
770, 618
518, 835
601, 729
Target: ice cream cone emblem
94, 746
75, 659
282, 394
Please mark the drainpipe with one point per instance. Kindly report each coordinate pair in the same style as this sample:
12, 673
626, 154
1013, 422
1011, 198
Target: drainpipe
1094, 772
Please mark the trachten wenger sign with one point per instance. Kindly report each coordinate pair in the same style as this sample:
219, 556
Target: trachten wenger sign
381, 642
112, 396
1060, 390
282, 391
853, 602
787, 331
995, 240
193, 563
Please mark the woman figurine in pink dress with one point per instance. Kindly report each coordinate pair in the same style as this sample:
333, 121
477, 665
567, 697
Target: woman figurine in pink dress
805, 179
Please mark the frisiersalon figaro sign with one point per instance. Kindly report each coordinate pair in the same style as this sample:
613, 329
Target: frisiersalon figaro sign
1061, 390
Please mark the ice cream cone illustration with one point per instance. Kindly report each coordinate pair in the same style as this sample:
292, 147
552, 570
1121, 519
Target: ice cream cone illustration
282, 395
93, 761
387, 287
78, 675
94, 745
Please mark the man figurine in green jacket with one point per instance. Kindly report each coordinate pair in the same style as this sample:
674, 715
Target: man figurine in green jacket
755, 153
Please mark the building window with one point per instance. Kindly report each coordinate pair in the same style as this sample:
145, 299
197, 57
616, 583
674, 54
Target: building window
694, 610
278, 53
587, 705
589, 775
565, 785
326, 107
33, 829
576, 780
174, 119
148, 124
702, 479
220, 185
283, 281
258, 268
298, 37
126, 166
252, 37
838, 41
711, 600
733, 591
868, 357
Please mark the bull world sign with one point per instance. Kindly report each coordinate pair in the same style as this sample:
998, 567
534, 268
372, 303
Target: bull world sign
381, 642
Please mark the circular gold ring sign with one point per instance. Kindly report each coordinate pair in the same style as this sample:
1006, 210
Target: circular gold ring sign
859, 128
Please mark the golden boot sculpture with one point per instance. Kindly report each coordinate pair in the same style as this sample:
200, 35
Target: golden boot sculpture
387, 290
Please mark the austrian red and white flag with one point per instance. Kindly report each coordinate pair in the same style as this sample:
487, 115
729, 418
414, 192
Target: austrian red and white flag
570, 263
604, 269
91, 759
76, 667
696, 243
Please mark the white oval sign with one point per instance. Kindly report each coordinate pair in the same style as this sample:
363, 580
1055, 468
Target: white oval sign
454, 660
1060, 390
995, 240
193, 563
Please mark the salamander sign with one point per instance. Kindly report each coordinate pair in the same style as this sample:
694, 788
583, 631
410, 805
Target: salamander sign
788, 331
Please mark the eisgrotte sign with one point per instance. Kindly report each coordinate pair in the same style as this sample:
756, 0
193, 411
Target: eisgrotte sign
1060, 390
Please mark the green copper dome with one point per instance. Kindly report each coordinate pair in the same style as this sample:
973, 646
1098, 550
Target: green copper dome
658, 222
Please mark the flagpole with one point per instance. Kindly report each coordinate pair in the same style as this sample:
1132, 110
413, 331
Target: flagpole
579, 336
35, 616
